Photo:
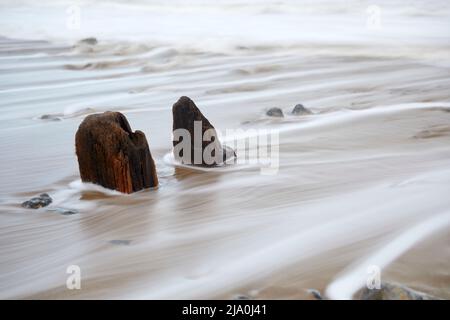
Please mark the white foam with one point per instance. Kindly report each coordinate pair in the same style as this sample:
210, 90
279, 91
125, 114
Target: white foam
79, 186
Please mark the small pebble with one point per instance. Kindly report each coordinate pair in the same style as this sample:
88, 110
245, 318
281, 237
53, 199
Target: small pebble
299, 109
50, 117
275, 112
315, 293
63, 211
38, 202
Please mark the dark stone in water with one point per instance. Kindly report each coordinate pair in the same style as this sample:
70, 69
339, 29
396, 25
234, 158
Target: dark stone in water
50, 117
38, 202
242, 297
392, 291
275, 112
63, 211
299, 109
185, 113
315, 293
90, 41
113, 156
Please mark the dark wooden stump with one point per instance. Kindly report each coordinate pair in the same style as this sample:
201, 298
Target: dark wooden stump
185, 113
111, 155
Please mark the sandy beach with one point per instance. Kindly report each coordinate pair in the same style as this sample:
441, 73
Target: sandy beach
362, 181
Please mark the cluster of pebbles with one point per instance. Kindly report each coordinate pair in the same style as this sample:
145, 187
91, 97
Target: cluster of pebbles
298, 110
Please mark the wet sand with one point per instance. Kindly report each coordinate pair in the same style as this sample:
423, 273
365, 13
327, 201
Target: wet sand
370, 163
